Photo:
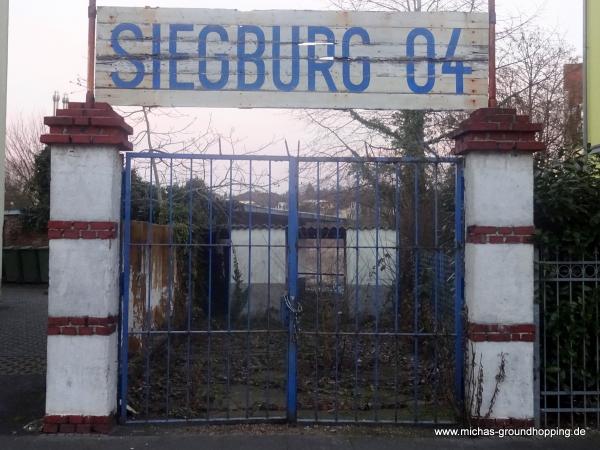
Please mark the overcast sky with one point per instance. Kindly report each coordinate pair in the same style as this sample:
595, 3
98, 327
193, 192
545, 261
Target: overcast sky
48, 45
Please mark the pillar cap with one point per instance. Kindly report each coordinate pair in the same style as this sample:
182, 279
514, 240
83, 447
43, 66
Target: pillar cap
497, 130
88, 124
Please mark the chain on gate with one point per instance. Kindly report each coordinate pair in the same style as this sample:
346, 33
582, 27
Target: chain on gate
291, 313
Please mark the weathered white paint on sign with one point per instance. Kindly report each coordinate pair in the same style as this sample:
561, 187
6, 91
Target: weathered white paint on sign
291, 59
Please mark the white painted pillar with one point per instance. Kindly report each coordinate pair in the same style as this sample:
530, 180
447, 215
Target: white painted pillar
83, 295
498, 146
3, 81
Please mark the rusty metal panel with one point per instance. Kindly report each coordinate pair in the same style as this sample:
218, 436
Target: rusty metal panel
292, 59
150, 278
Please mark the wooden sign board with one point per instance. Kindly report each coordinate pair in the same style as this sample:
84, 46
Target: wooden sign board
292, 59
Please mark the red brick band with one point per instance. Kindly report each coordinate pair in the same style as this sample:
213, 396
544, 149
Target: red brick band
78, 424
502, 423
88, 124
494, 332
500, 235
82, 326
497, 130
60, 229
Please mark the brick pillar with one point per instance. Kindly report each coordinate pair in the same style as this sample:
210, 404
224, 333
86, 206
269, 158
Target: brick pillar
498, 147
83, 296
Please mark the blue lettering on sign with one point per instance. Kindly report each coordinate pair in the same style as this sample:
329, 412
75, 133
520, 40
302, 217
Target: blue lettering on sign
366, 77
410, 67
457, 67
156, 56
249, 59
174, 56
254, 58
116, 45
224, 79
449, 67
293, 83
315, 64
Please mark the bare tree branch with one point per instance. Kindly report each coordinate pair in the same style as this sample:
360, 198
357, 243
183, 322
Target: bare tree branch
22, 146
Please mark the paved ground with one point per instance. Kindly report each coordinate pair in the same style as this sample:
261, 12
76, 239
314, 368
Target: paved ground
23, 312
306, 440
23, 322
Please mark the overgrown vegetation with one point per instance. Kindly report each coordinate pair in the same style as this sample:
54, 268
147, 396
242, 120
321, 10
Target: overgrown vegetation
567, 215
475, 386
572, 325
567, 204
198, 216
240, 292
37, 213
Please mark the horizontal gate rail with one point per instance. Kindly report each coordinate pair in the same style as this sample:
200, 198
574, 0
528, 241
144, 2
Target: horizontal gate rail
281, 289
301, 159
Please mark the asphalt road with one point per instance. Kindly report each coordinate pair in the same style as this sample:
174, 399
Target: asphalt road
311, 440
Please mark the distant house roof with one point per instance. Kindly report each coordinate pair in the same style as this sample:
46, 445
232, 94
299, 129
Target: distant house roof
261, 198
261, 215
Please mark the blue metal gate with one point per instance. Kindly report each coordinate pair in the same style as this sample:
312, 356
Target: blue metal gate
269, 288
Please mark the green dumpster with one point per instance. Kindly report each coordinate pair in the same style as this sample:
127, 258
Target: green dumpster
25, 265
43, 261
29, 263
11, 265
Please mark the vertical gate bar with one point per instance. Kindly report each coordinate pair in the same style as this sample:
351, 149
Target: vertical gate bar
459, 353
123, 200
558, 396
148, 325
232, 260
269, 224
597, 277
318, 280
356, 293
170, 287
210, 276
436, 280
126, 248
537, 395
249, 293
542, 275
337, 290
397, 286
377, 406
584, 356
189, 290
570, 337
292, 246
417, 257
